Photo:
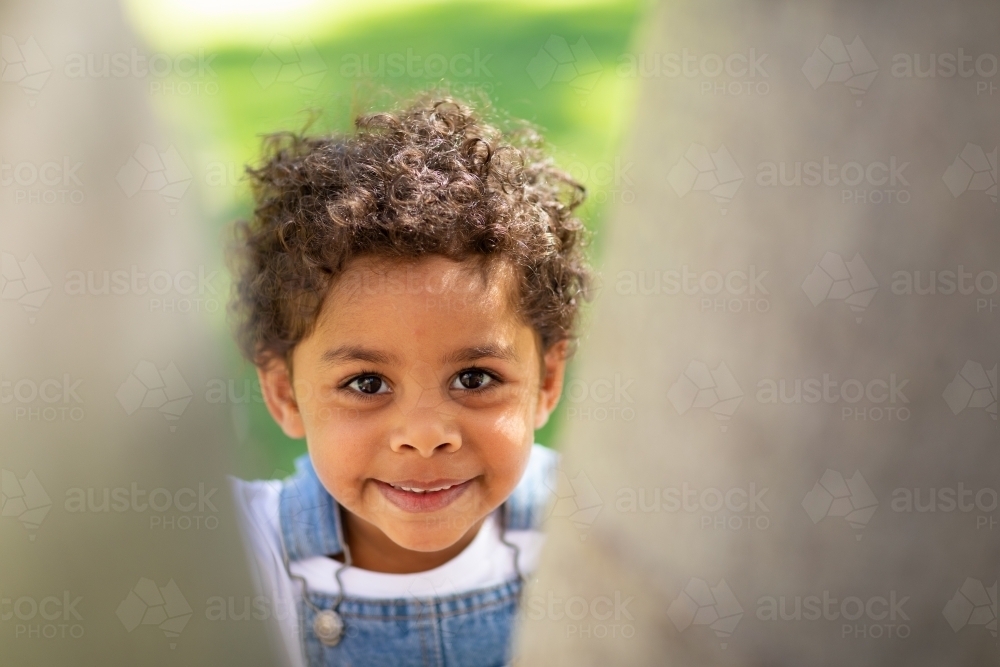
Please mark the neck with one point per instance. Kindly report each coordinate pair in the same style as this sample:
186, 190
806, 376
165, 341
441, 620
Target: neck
372, 550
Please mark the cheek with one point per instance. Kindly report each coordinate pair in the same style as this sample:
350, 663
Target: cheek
505, 429
503, 445
507, 422
342, 448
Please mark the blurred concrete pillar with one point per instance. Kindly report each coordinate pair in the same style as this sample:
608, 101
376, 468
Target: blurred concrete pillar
782, 447
115, 520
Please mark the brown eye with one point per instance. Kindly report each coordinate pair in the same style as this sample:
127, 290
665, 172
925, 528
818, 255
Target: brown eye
472, 379
369, 384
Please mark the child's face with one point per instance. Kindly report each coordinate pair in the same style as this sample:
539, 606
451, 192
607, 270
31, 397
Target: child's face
417, 376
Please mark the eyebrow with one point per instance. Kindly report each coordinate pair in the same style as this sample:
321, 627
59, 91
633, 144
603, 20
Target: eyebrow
505, 352
346, 353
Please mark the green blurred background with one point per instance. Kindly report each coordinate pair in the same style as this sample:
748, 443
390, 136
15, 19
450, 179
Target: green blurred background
270, 66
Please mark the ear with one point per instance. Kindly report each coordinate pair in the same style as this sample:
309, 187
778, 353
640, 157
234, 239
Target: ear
279, 396
551, 384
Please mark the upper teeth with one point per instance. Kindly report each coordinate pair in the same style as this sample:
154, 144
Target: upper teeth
406, 488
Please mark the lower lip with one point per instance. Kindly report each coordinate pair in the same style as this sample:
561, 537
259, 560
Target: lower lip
422, 502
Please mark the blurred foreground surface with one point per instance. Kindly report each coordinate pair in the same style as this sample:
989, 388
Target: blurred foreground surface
787, 452
117, 530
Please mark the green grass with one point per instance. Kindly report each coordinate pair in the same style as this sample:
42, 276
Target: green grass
582, 123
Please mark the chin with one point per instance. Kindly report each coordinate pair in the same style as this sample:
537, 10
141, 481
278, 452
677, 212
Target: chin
429, 535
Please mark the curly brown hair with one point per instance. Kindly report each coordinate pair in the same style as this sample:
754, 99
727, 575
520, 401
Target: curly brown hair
430, 179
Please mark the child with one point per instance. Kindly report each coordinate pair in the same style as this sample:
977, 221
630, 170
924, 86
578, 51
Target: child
408, 294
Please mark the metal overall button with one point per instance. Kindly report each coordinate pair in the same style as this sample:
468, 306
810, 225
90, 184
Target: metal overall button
328, 627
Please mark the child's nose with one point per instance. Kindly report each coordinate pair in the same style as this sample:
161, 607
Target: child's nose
426, 431
426, 415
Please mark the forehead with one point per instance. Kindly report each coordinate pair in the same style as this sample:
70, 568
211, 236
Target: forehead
433, 300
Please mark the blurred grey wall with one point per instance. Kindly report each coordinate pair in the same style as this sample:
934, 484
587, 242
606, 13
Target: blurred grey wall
115, 527
781, 443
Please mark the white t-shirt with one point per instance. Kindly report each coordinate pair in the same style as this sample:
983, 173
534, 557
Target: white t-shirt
485, 562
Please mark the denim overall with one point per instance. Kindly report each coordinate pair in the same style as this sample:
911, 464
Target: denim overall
461, 630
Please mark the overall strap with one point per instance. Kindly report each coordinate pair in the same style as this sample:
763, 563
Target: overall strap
529, 504
310, 522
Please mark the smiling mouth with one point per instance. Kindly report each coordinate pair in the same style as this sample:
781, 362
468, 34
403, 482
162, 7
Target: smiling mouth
412, 496
423, 490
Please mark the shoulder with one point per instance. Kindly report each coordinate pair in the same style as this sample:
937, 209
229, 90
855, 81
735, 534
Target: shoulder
255, 499
528, 504
256, 505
